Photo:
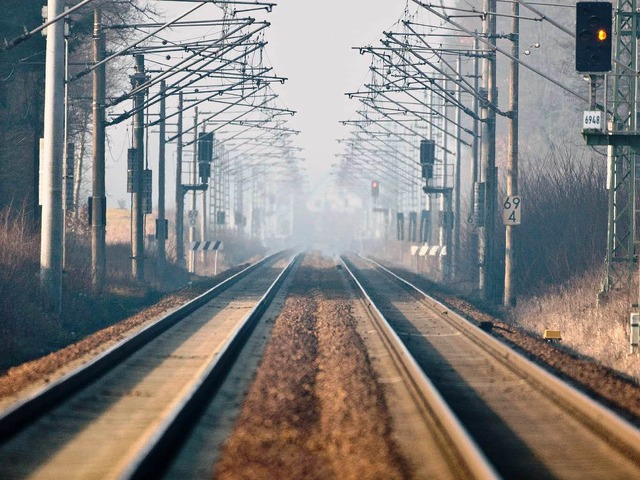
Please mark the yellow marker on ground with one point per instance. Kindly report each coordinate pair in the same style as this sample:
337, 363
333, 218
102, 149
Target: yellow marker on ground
552, 335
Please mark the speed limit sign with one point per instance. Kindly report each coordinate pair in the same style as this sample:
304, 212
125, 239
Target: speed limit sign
512, 211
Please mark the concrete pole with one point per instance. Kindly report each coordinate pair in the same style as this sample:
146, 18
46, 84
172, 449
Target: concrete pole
203, 222
475, 154
179, 190
203, 203
428, 202
99, 198
512, 159
456, 187
161, 228
52, 216
446, 196
194, 181
445, 146
137, 244
487, 234
67, 149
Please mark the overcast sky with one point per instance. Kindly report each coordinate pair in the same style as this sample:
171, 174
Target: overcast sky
310, 43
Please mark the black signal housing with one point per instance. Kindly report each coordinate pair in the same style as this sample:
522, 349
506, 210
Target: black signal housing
594, 34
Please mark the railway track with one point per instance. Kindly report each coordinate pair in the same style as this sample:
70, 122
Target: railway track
462, 404
123, 414
526, 422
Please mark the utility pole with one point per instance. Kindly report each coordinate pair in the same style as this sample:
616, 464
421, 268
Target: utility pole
239, 204
179, 189
99, 198
68, 152
51, 249
203, 218
203, 223
137, 244
428, 201
487, 233
445, 207
512, 159
475, 161
194, 181
456, 187
161, 227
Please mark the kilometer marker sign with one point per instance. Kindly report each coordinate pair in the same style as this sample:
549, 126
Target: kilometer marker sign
512, 211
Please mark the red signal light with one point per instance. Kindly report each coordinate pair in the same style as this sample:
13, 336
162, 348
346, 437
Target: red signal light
375, 188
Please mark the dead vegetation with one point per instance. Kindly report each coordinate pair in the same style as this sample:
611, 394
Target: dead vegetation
28, 332
600, 334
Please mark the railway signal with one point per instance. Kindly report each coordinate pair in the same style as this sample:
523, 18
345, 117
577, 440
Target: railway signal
594, 22
427, 158
375, 188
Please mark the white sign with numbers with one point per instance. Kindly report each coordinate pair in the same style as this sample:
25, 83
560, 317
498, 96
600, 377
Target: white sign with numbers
193, 217
512, 211
592, 120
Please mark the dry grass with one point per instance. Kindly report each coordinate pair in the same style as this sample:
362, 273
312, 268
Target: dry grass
119, 225
600, 333
28, 332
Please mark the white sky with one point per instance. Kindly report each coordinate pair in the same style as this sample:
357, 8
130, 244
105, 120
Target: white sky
310, 44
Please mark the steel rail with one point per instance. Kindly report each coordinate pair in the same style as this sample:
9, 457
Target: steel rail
605, 423
153, 456
469, 454
25, 411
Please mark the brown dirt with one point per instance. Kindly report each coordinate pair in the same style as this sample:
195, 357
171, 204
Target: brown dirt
611, 388
40, 371
315, 409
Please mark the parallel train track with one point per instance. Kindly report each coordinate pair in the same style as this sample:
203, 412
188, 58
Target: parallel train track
122, 414
487, 411
527, 423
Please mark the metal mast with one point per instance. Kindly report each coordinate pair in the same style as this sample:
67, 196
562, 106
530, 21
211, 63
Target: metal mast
621, 235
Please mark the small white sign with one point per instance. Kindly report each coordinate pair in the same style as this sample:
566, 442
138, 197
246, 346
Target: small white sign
512, 211
592, 120
193, 217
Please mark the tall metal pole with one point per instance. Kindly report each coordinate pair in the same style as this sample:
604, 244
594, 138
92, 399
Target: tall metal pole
99, 198
179, 190
487, 234
161, 230
620, 258
194, 181
137, 244
512, 159
52, 224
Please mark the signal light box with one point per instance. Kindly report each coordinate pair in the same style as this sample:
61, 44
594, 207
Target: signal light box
375, 188
594, 25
